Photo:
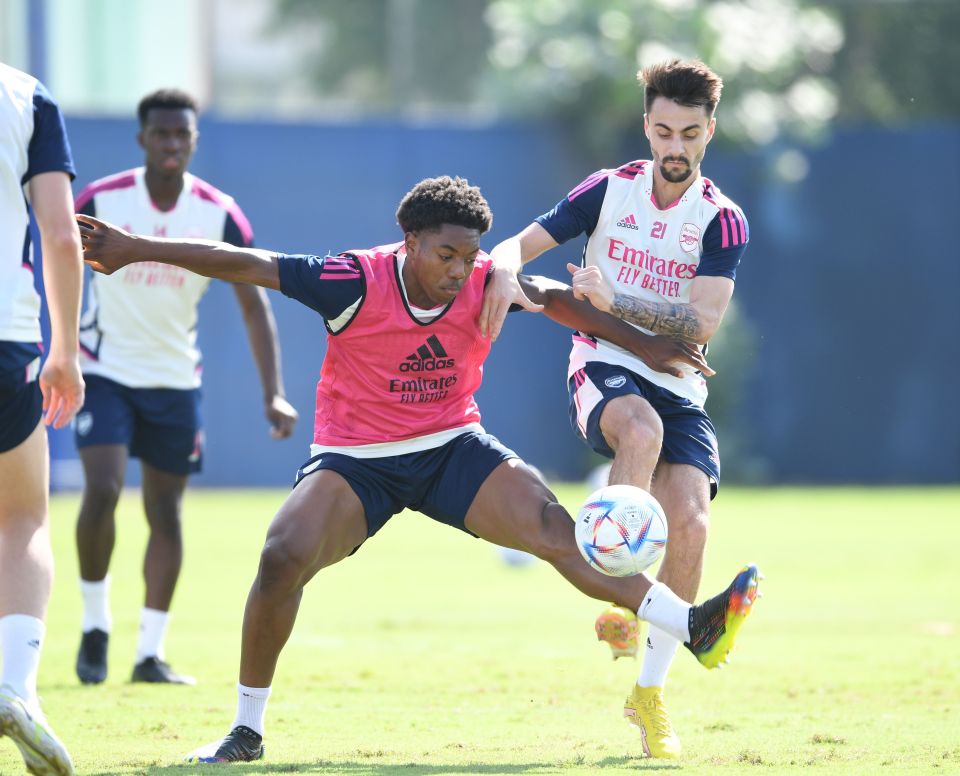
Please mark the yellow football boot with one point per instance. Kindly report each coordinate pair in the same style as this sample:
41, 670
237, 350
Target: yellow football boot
620, 628
644, 708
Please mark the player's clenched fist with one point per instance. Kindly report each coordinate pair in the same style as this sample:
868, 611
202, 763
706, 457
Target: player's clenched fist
106, 248
282, 417
589, 284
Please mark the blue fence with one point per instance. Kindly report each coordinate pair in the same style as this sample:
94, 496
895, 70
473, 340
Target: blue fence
846, 288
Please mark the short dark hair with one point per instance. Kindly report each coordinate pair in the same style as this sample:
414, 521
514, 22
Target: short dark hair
434, 202
175, 99
686, 82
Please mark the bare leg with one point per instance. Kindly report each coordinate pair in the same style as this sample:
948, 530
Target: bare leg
514, 508
104, 467
162, 503
684, 493
634, 431
321, 522
26, 560
26, 576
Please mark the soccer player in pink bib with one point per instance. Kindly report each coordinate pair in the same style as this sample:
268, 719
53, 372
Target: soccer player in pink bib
397, 426
662, 250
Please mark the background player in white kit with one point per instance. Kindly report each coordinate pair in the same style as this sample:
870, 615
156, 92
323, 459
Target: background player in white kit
662, 251
35, 172
142, 367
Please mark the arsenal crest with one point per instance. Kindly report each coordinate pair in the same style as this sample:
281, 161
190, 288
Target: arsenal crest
84, 423
690, 237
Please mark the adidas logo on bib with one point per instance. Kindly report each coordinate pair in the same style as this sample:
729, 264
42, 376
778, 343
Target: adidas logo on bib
429, 357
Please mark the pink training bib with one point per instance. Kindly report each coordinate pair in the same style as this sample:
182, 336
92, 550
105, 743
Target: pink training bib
389, 377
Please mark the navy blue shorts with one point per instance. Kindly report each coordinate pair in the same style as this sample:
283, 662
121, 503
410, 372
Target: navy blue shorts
21, 403
688, 434
441, 482
160, 426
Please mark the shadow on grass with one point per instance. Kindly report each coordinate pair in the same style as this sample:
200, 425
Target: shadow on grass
403, 769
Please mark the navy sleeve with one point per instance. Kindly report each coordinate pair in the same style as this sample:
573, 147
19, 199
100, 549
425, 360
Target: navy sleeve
233, 234
579, 211
49, 149
328, 285
723, 244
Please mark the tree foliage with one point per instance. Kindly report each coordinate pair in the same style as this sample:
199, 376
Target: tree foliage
790, 66
582, 57
381, 55
899, 61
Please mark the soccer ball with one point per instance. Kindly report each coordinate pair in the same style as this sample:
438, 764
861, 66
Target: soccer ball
621, 530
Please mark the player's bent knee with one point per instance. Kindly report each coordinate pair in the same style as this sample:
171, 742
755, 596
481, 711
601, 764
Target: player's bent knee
287, 564
691, 529
553, 541
168, 529
163, 515
100, 498
633, 430
22, 522
642, 434
282, 567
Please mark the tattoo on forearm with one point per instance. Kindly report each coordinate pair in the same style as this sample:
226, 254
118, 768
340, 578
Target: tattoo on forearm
675, 320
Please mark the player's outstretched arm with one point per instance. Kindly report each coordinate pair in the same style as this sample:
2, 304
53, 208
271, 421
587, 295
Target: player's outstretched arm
107, 248
660, 353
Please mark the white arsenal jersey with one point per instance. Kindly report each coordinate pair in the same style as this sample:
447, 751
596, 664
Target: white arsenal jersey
32, 141
140, 326
651, 253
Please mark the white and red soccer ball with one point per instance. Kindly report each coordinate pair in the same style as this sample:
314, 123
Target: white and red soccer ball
621, 530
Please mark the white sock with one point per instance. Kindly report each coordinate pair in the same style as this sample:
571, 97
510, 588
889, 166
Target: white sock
96, 605
251, 707
153, 627
21, 637
662, 608
661, 648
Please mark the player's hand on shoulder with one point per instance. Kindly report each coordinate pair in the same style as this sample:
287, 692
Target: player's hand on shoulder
282, 417
62, 387
106, 248
502, 291
588, 283
663, 354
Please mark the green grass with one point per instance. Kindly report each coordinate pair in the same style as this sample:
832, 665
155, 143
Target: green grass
425, 654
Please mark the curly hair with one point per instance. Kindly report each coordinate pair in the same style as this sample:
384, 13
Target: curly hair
434, 202
173, 99
690, 83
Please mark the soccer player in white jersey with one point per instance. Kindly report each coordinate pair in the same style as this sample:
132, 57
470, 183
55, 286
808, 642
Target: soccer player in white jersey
139, 357
662, 250
35, 172
397, 426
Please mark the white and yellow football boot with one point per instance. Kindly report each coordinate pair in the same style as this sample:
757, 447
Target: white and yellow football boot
43, 754
644, 708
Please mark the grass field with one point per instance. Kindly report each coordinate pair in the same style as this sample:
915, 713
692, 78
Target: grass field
425, 654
